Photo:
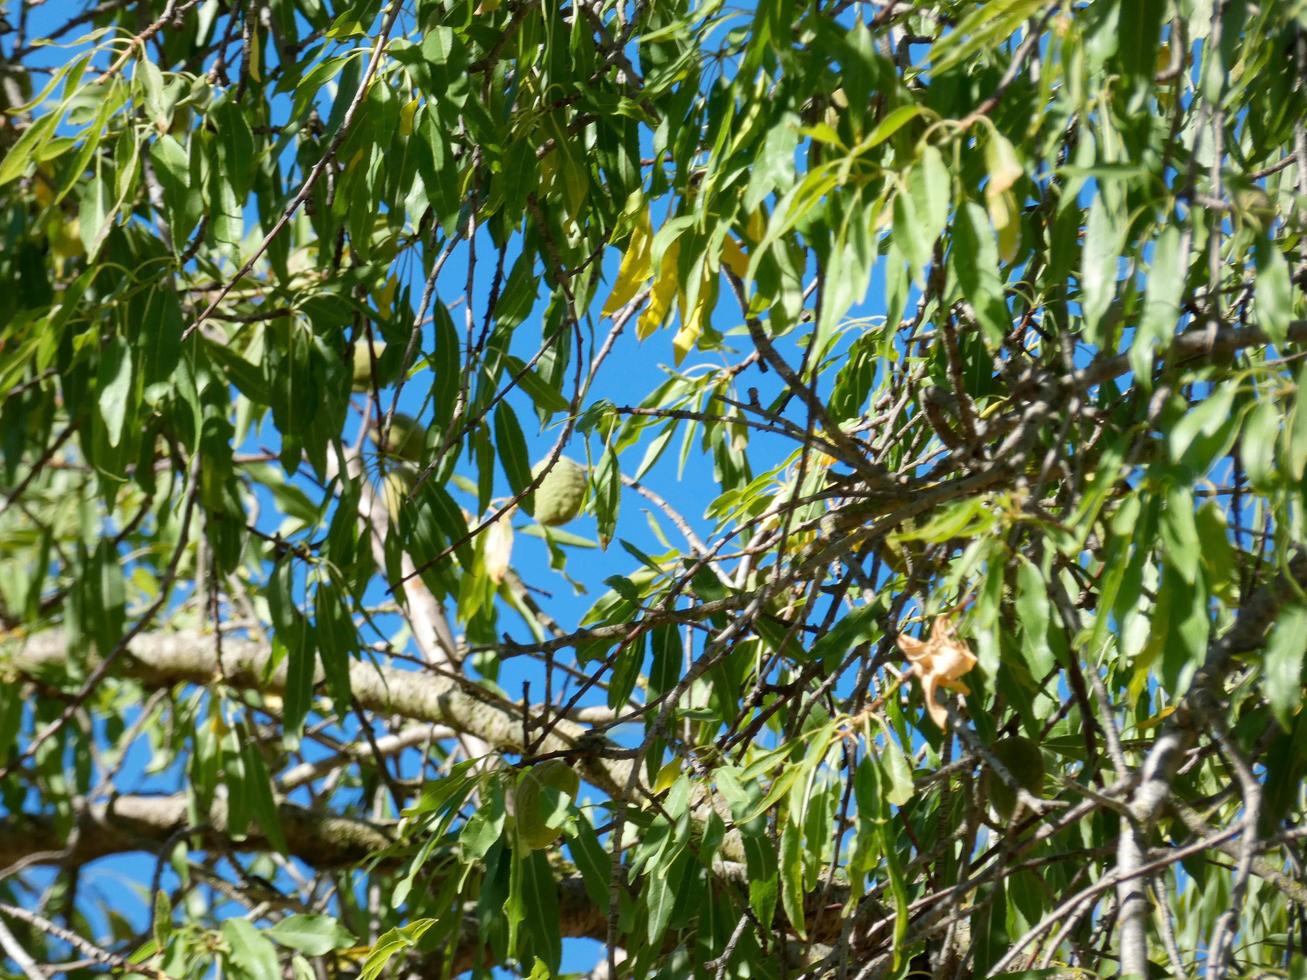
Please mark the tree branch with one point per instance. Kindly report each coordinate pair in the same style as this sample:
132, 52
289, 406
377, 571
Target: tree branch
164, 659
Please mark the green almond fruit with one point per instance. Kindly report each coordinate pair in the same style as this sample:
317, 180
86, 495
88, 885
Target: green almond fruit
1022, 758
398, 485
405, 439
561, 494
363, 365
538, 823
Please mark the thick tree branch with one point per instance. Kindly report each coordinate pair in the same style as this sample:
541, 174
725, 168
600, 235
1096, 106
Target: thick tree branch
145, 823
189, 657
1194, 714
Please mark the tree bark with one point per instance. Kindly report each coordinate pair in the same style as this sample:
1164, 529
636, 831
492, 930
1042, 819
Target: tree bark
188, 657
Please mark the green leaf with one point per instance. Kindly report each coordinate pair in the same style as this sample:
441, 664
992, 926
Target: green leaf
542, 910
162, 917
1273, 292
607, 494
91, 138
931, 187
313, 935
663, 885
898, 773
984, 28
974, 261
591, 860
512, 449
301, 661
1297, 456
1166, 287
257, 785
668, 658
481, 831
1002, 163
1219, 557
1282, 676
23, 150
1182, 625
1102, 249
1180, 533
115, 387
1140, 24
1259, 442
94, 210
895, 120
171, 161
911, 235
337, 642
1204, 419
251, 954
248, 378
1034, 612
391, 942
626, 671
544, 395
793, 891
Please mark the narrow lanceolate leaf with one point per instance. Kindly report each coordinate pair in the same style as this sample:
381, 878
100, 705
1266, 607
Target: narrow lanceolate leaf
1033, 609
1297, 455
1282, 672
666, 286
1162, 306
301, 662
636, 268
1260, 444
115, 387
313, 935
930, 184
511, 444
698, 308
1098, 267
792, 887
1273, 292
974, 260
258, 785
1002, 163
391, 942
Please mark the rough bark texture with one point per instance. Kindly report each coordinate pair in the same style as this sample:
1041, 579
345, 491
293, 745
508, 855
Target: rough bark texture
189, 657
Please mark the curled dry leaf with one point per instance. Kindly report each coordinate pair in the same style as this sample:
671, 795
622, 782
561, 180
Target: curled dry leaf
938, 662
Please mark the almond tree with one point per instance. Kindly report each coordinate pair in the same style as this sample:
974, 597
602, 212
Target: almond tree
793, 490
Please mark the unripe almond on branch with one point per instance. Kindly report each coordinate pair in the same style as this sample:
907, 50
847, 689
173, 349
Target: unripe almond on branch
561, 493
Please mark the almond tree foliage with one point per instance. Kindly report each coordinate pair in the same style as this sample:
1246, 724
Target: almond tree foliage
981, 325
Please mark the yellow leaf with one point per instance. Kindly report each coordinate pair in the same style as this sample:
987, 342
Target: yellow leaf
756, 230
406, 118
1002, 163
498, 546
385, 296
700, 307
660, 302
733, 258
636, 268
1156, 720
667, 776
1007, 222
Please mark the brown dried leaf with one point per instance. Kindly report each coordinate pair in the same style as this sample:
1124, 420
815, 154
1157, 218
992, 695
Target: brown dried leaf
938, 662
